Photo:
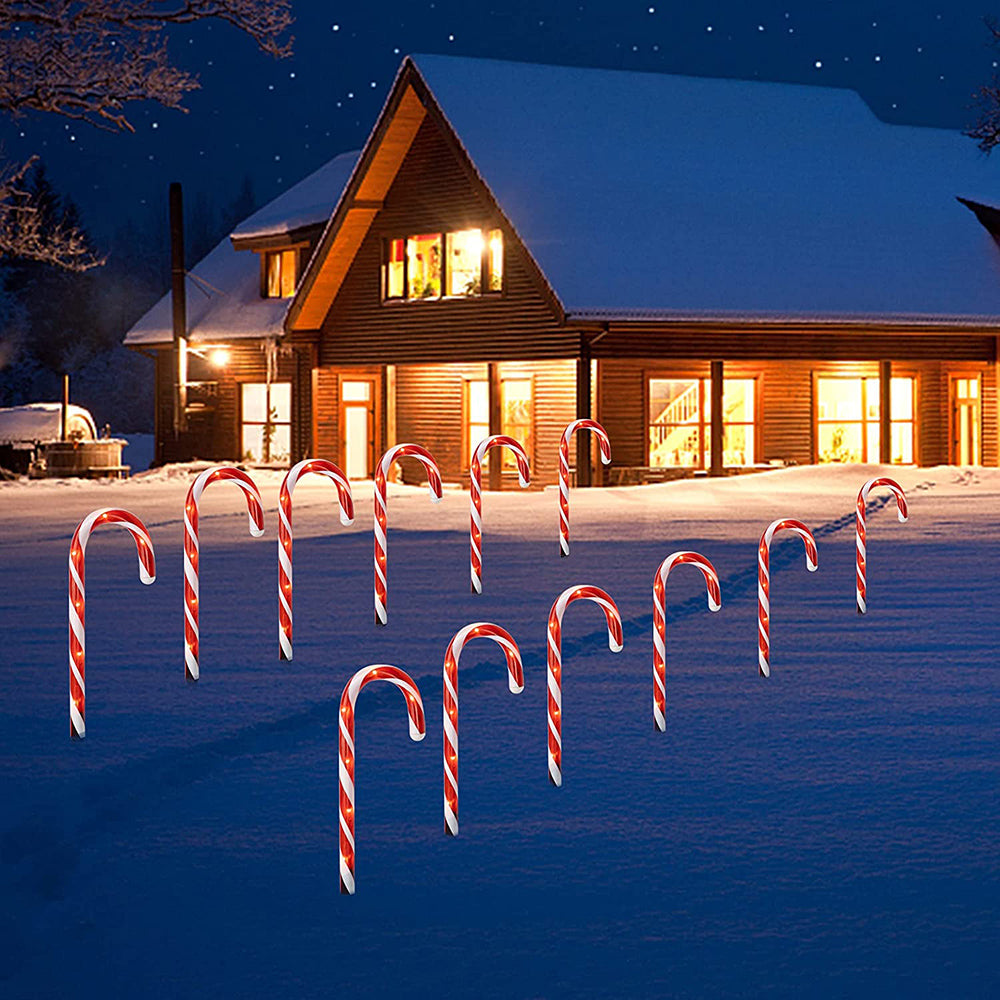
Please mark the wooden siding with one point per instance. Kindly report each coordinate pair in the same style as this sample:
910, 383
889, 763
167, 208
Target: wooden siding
326, 409
214, 435
438, 427
432, 192
785, 403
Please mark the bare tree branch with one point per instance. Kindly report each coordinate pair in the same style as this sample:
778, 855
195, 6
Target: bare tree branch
986, 130
87, 60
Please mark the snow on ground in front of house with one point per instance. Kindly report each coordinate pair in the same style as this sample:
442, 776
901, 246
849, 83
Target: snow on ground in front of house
829, 830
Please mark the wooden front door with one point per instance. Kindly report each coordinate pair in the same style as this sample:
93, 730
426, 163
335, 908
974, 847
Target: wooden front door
965, 392
358, 425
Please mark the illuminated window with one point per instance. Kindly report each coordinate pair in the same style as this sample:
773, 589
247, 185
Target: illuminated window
280, 273
459, 264
395, 270
517, 416
465, 262
423, 266
680, 422
848, 425
476, 416
266, 417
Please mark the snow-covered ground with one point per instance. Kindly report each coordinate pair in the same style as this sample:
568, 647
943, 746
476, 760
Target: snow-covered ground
830, 830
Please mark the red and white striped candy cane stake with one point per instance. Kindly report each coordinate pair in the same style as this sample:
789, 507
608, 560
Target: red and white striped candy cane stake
901, 513
660, 623
602, 439
476, 498
320, 467
78, 600
255, 511
554, 661
418, 730
764, 583
515, 681
423, 456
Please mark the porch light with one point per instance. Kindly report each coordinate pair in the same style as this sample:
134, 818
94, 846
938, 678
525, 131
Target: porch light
219, 357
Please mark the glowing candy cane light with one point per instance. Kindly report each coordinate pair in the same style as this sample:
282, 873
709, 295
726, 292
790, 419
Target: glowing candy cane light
554, 661
515, 681
660, 623
476, 498
320, 467
860, 537
604, 442
418, 730
255, 512
764, 582
423, 456
78, 600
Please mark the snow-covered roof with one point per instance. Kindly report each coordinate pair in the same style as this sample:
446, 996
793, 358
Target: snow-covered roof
223, 289
40, 422
310, 202
645, 194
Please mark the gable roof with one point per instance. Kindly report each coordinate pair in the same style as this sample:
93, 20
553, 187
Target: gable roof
649, 195
223, 288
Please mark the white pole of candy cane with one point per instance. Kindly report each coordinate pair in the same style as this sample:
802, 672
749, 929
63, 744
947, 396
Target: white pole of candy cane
319, 467
584, 423
476, 498
255, 513
418, 730
660, 623
554, 661
515, 681
78, 600
764, 582
423, 456
861, 537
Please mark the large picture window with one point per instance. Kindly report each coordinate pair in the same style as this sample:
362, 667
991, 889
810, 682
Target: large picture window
517, 416
266, 415
463, 263
848, 427
680, 421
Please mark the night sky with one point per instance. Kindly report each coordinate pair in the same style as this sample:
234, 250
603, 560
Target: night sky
278, 120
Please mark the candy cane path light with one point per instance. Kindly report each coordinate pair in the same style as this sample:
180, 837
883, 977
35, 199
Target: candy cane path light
660, 623
320, 467
515, 681
602, 439
78, 600
764, 582
860, 536
554, 661
418, 730
255, 513
423, 456
476, 498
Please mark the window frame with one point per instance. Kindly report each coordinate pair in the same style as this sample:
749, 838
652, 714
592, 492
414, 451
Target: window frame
485, 292
704, 424
242, 422
297, 249
529, 450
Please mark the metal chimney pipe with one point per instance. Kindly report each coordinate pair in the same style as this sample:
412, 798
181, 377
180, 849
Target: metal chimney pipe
179, 307
64, 410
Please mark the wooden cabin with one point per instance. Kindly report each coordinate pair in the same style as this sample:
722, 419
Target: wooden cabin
728, 275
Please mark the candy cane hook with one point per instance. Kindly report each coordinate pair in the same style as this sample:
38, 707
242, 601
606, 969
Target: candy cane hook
515, 681
423, 456
660, 623
321, 467
764, 583
255, 513
418, 730
78, 600
476, 498
860, 537
603, 440
554, 661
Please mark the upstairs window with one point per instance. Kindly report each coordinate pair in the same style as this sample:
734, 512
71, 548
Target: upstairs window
280, 273
464, 263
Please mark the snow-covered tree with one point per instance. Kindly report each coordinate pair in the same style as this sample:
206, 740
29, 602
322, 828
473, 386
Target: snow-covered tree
88, 60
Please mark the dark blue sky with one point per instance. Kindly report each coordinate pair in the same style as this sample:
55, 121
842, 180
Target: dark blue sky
277, 120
